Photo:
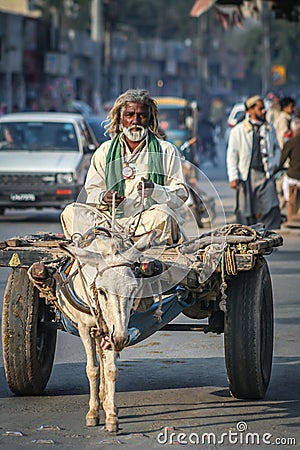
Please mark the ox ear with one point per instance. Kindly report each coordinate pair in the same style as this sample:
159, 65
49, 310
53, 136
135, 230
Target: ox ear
85, 256
147, 240
68, 248
144, 243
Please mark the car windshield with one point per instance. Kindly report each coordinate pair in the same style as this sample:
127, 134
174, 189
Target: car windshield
98, 129
41, 136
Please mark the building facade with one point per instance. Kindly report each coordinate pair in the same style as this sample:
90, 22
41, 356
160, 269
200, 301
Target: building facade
45, 64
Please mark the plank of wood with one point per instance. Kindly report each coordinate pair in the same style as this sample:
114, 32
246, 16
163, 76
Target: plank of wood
21, 257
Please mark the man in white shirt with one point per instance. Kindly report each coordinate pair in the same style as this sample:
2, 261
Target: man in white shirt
253, 154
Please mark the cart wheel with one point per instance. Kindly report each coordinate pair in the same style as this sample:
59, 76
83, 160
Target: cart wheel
248, 332
28, 340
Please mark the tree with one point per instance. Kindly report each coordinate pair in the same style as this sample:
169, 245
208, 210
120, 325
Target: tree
77, 12
164, 19
285, 48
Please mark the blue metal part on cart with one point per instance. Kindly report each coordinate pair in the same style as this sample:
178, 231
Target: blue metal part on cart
144, 324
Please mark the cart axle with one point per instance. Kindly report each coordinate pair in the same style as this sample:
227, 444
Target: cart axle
191, 327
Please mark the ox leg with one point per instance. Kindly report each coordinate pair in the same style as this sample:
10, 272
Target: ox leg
92, 371
109, 375
102, 377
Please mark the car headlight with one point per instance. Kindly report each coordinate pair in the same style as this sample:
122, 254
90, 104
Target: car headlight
48, 179
65, 178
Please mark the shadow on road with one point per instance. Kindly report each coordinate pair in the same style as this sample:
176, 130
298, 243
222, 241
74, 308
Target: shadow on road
148, 374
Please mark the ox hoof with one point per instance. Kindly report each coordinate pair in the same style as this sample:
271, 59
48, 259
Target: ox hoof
92, 421
112, 427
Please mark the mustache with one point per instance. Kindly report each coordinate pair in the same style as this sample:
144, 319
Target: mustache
135, 132
136, 127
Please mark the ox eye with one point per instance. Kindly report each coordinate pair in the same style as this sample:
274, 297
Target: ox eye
102, 292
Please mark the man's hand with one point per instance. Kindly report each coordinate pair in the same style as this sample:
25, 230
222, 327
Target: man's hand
108, 198
148, 185
234, 184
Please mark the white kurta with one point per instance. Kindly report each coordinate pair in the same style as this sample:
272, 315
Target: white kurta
163, 215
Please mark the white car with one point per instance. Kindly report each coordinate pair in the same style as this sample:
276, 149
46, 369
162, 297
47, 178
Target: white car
44, 158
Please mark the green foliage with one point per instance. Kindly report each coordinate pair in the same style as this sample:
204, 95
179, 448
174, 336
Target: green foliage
82, 14
76, 12
165, 19
285, 48
251, 43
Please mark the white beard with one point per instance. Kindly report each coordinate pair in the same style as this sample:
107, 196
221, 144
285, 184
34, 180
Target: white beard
134, 136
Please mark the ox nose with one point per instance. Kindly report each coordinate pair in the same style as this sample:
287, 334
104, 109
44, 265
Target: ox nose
119, 342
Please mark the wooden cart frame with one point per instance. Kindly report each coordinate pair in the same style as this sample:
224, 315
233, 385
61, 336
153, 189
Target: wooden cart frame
236, 299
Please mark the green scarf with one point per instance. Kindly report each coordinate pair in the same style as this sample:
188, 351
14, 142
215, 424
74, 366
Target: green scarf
113, 171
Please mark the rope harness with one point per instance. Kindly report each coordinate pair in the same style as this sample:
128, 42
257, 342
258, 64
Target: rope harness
47, 286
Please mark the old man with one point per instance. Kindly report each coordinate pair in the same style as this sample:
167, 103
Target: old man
135, 179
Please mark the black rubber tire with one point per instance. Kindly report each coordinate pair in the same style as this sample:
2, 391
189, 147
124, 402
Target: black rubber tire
28, 340
248, 333
2, 210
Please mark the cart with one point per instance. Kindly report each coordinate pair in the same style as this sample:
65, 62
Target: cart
223, 278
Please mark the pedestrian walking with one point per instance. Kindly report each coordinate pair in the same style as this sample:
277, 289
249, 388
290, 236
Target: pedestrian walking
274, 110
283, 131
253, 153
291, 151
283, 121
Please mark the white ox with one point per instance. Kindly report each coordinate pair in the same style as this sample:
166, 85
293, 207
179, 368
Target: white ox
105, 332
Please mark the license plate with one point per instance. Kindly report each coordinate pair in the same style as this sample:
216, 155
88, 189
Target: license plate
22, 197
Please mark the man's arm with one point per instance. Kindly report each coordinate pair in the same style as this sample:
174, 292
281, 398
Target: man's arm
174, 192
95, 184
284, 155
234, 184
274, 152
281, 127
232, 159
147, 185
